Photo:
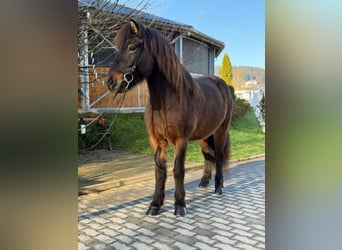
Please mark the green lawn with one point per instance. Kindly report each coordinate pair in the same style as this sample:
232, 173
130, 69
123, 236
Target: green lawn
129, 133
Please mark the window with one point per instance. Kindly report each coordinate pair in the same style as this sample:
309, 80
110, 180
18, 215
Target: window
195, 56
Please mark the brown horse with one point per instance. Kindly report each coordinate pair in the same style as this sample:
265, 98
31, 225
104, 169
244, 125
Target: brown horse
181, 108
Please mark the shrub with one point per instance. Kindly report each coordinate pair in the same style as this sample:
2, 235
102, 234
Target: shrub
240, 108
232, 91
91, 137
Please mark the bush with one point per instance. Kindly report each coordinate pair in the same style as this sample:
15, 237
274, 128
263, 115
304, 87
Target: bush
232, 91
91, 137
240, 108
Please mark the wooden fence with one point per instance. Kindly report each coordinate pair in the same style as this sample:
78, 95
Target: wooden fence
137, 97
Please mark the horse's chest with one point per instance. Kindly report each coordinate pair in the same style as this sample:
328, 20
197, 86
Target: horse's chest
167, 128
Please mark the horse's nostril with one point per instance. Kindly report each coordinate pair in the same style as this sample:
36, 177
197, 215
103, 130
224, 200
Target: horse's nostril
110, 83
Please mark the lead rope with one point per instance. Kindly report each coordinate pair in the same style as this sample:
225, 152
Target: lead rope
112, 122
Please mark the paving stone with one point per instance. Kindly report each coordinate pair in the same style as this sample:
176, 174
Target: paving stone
225, 246
127, 231
124, 238
113, 226
96, 226
87, 240
246, 246
205, 239
242, 232
91, 232
100, 246
222, 226
82, 246
245, 239
182, 246
131, 226
119, 245
261, 245
258, 232
224, 240
223, 233
164, 238
104, 239
259, 239
146, 232
100, 220
167, 225
161, 246
139, 245
144, 239
185, 232
201, 245
184, 225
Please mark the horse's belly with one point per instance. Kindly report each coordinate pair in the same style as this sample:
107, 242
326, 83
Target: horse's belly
207, 126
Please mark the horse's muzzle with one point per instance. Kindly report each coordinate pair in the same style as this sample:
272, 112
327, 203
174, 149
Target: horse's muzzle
116, 86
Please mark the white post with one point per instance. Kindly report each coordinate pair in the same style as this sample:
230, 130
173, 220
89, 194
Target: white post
181, 50
84, 74
139, 96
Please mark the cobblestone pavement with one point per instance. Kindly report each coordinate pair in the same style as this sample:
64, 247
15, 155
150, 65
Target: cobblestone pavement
115, 219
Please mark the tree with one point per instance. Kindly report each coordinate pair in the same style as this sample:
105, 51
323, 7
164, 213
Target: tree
227, 70
227, 73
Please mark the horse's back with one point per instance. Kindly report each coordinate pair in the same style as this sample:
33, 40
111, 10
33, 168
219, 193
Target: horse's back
213, 87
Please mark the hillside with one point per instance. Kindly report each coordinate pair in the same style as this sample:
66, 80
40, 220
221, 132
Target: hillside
242, 74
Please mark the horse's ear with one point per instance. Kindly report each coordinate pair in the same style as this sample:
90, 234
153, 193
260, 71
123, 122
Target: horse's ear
134, 26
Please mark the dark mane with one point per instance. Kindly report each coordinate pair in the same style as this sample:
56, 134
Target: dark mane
169, 63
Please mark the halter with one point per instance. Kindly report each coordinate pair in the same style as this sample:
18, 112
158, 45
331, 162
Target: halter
129, 77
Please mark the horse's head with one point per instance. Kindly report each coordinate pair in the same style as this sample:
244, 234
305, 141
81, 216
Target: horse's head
125, 71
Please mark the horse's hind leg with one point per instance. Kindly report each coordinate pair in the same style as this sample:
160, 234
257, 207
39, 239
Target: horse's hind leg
207, 147
221, 140
159, 149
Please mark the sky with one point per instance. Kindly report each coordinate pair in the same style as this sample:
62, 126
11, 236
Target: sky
240, 24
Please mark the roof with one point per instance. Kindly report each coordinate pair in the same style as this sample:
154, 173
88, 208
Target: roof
156, 20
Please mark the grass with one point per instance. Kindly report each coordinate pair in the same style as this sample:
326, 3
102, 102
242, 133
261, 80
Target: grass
129, 133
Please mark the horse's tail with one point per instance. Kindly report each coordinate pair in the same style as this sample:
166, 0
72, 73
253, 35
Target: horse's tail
226, 152
229, 116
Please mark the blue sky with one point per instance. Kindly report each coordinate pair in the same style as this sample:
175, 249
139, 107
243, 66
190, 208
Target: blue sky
240, 24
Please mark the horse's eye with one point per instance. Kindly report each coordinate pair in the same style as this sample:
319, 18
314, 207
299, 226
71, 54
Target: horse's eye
132, 48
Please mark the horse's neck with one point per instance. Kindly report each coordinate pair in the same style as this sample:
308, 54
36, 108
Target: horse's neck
161, 92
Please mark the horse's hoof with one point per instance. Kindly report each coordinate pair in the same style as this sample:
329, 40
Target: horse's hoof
204, 183
180, 211
152, 211
219, 190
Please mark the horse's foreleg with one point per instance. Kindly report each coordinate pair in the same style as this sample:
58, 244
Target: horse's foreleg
178, 171
160, 178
